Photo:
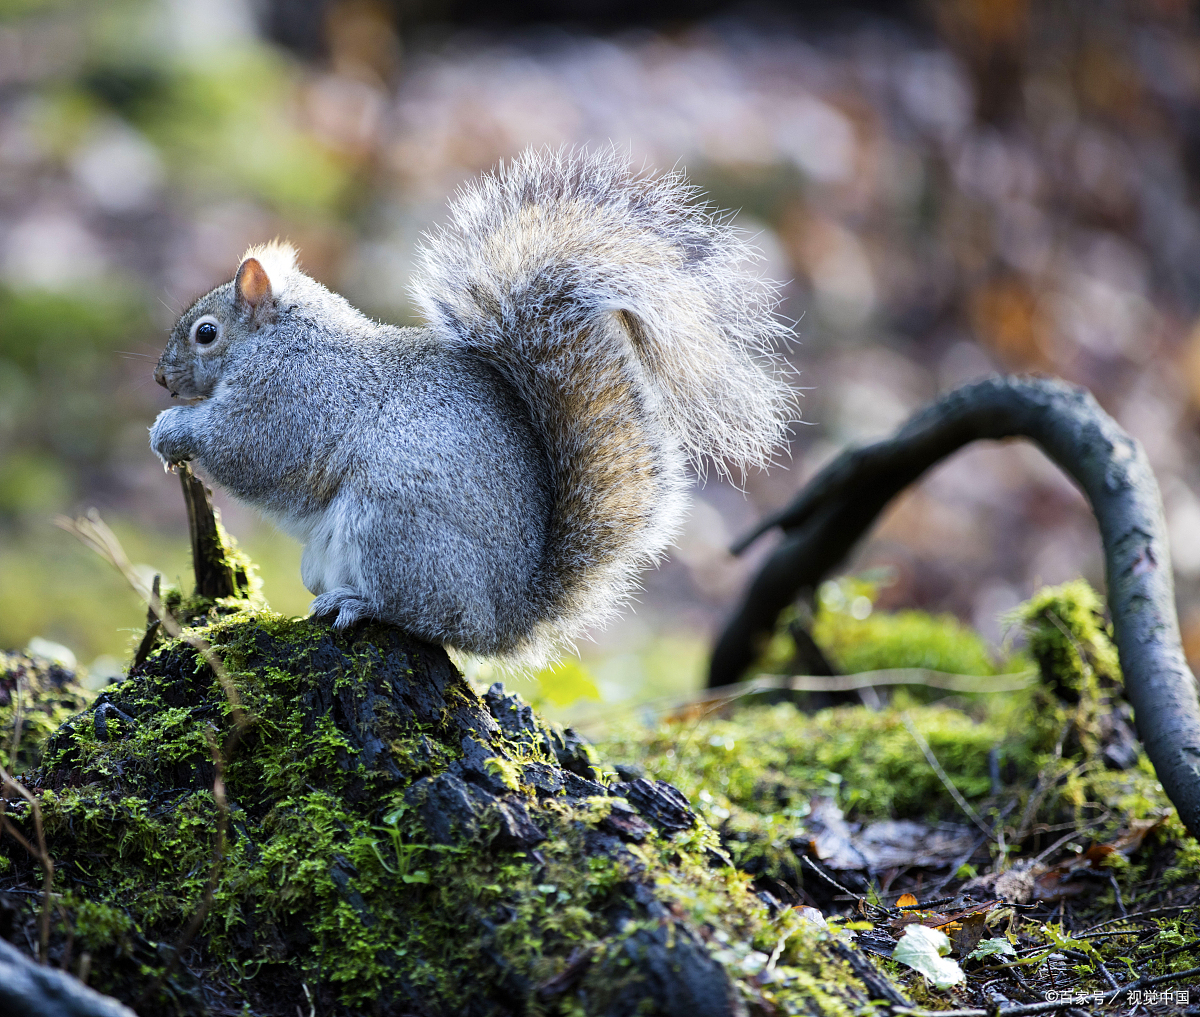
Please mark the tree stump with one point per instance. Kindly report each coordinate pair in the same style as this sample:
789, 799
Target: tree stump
397, 844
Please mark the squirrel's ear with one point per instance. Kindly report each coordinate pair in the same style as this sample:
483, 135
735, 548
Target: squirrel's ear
252, 283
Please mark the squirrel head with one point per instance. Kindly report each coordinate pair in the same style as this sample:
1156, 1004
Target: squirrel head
211, 333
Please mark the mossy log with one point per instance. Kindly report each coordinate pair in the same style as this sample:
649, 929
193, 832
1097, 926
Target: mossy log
397, 844
835, 509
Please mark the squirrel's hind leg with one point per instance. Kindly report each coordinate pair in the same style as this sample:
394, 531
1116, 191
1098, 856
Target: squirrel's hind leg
346, 603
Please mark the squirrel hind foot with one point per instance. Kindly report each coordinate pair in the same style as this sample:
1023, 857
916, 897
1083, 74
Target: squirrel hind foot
344, 604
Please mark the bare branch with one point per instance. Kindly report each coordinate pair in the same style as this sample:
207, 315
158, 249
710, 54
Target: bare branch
832, 513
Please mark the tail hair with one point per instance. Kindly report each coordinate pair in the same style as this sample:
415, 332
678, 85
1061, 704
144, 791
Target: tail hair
552, 222
631, 321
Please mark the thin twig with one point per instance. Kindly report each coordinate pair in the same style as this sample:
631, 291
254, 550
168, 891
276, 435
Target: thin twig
1073, 835
1021, 1010
1112, 982
41, 853
712, 699
1069, 636
6, 825
1040, 791
850, 894
896, 676
1153, 913
1112, 878
944, 777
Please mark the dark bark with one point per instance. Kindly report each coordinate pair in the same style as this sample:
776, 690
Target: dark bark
215, 577
836, 508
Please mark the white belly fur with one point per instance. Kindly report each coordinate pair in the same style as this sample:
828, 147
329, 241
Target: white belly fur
331, 559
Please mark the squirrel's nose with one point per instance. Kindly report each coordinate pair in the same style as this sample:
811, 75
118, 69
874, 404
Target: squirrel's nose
159, 376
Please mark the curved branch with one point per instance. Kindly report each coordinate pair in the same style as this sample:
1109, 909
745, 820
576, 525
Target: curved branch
830, 515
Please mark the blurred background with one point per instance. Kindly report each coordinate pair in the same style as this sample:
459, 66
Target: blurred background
947, 188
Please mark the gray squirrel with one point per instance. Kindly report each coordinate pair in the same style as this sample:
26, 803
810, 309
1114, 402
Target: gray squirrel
495, 480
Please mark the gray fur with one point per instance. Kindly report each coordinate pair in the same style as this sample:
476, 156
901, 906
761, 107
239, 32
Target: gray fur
495, 481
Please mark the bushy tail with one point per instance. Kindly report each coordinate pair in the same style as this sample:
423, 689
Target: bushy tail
628, 319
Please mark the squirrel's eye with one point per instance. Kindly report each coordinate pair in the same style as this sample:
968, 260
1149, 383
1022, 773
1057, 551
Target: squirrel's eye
206, 333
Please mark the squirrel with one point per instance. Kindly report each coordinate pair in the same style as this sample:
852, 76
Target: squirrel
495, 480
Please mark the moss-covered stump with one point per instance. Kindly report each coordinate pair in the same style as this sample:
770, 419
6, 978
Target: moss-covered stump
397, 844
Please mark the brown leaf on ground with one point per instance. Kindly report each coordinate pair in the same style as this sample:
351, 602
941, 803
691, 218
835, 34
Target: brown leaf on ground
942, 919
966, 934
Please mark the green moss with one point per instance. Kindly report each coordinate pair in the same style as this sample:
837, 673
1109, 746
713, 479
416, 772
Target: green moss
41, 695
1070, 639
755, 775
508, 772
338, 874
855, 637
778, 756
97, 926
901, 639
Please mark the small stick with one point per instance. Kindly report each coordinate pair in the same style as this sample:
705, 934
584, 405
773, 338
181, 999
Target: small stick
18, 721
1072, 835
1169, 909
214, 577
711, 699
153, 624
1145, 983
1022, 1010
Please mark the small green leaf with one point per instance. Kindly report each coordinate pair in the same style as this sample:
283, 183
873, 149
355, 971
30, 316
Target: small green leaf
992, 948
420, 876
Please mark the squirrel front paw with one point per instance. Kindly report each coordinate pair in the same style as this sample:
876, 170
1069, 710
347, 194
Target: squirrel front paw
171, 437
344, 602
